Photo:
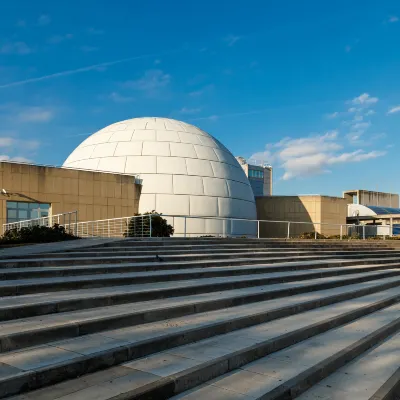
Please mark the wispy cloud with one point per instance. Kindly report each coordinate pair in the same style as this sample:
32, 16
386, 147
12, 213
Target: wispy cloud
186, 110
44, 20
392, 19
333, 115
201, 91
4, 157
20, 48
55, 39
94, 31
21, 23
11, 144
119, 98
311, 155
394, 110
77, 70
230, 40
35, 114
89, 49
364, 100
150, 83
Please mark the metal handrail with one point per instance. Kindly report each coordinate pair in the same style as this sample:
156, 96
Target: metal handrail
67, 219
117, 227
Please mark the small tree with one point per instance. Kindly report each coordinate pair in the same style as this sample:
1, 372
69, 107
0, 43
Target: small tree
139, 225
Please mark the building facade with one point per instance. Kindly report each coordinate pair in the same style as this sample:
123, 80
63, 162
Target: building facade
259, 175
33, 191
309, 213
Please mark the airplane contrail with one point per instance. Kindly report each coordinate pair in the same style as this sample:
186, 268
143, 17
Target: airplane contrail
82, 69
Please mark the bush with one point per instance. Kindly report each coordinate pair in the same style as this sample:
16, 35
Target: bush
139, 227
311, 235
36, 234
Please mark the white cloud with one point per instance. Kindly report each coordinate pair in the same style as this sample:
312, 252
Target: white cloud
44, 20
201, 91
231, 39
364, 100
20, 48
150, 83
352, 109
118, 98
186, 110
394, 110
6, 141
20, 159
370, 112
35, 114
333, 115
94, 31
55, 39
361, 126
393, 18
89, 49
311, 155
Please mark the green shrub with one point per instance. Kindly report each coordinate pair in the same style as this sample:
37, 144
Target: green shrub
36, 234
139, 227
311, 235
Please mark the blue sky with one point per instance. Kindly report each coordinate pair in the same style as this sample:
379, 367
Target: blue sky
312, 87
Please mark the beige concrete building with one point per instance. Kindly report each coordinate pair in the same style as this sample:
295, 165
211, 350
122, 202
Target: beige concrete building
371, 198
311, 210
31, 191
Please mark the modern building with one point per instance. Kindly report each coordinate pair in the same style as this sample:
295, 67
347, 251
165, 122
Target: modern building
138, 165
307, 213
259, 175
371, 198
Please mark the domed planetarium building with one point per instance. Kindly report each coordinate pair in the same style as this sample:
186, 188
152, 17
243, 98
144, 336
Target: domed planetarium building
184, 171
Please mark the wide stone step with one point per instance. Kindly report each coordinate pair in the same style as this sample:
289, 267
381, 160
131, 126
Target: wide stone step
36, 285
138, 242
162, 252
287, 373
37, 330
184, 352
371, 376
188, 269
22, 306
212, 257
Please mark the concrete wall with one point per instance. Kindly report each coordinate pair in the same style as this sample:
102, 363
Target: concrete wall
305, 209
371, 198
94, 195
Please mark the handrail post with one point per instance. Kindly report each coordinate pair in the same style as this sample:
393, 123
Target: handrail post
315, 232
150, 225
288, 230
258, 229
184, 226
341, 231
363, 232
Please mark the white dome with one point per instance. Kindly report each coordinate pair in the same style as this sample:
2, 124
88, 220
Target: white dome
184, 170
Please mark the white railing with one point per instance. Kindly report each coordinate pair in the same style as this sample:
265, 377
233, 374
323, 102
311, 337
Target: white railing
69, 220
192, 226
137, 226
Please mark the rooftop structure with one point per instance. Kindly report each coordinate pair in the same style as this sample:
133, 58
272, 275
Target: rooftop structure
259, 175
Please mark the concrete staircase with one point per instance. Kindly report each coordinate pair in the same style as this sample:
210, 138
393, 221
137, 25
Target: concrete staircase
202, 318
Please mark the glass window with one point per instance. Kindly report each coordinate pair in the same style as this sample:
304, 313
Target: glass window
11, 214
23, 210
23, 214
